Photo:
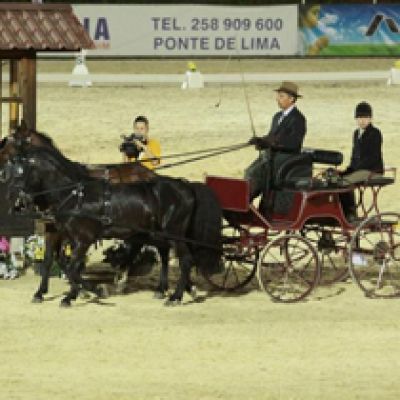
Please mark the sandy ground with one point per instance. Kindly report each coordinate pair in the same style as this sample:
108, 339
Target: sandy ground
337, 345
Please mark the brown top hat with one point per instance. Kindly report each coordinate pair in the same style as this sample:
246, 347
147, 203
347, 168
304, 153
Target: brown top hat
289, 88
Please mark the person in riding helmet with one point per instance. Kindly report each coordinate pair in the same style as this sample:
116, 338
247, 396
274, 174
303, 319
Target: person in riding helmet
366, 155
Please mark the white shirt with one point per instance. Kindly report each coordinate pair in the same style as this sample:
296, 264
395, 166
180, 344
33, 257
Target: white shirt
285, 113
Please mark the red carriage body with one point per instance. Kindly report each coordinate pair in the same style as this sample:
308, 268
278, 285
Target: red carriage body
310, 244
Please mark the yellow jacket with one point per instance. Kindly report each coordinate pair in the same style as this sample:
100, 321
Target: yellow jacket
154, 146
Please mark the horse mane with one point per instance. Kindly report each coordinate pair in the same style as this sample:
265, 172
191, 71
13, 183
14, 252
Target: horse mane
46, 139
71, 168
52, 148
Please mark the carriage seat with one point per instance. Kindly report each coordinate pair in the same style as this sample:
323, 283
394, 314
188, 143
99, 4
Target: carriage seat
378, 180
327, 157
296, 173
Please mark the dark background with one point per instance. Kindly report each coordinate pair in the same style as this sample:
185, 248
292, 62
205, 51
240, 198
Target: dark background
11, 225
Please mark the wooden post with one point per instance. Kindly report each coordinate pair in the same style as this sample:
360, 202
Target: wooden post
14, 106
28, 90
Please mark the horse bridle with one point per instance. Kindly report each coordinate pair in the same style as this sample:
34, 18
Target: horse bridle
14, 174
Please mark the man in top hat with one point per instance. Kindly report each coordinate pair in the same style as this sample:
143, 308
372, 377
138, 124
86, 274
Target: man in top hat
366, 156
287, 133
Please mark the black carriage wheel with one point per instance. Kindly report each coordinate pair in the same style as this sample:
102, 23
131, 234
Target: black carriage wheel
288, 268
238, 262
332, 246
374, 256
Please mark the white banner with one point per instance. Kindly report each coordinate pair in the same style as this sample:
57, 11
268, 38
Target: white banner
190, 30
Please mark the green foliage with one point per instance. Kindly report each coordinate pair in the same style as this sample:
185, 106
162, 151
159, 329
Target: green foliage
360, 50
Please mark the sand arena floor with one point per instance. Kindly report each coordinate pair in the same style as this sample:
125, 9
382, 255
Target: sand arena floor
336, 345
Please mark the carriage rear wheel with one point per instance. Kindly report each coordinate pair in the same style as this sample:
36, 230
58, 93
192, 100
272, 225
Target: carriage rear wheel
238, 261
332, 245
288, 268
374, 256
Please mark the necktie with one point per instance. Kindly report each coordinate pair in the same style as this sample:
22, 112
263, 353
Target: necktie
282, 115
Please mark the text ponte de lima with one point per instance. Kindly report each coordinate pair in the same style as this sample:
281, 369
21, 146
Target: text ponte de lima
218, 43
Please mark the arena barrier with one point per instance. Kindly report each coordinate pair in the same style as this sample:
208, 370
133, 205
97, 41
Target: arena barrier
209, 79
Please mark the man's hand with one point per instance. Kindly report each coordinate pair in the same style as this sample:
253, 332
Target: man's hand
253, 140
261, 143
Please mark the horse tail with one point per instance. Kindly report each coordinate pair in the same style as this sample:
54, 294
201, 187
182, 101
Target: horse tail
205, 228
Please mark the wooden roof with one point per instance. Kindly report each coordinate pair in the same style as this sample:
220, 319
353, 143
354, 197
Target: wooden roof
41, 27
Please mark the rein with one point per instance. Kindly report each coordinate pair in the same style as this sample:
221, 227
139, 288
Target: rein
192, 153
210, 154
155, 233
57, 189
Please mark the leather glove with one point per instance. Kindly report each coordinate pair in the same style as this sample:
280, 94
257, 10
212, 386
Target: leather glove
261, 143
253, 140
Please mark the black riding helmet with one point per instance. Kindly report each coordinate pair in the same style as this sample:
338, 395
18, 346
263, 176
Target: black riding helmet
363, 109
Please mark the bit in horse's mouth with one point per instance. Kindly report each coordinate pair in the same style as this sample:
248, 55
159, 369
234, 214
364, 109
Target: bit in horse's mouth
19, 206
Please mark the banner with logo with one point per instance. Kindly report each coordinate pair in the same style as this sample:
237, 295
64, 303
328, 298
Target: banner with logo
190, 30
349, 30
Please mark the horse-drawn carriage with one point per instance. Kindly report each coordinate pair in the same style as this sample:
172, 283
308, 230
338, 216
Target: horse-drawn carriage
291, 252
313, 242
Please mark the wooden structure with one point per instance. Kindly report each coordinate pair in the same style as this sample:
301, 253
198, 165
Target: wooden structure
26, 29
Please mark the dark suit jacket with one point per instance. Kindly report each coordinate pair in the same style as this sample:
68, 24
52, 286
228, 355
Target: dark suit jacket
290, 132
367, 151
290, 135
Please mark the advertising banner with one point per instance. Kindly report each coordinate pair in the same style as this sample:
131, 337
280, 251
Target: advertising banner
349, 30
190, 30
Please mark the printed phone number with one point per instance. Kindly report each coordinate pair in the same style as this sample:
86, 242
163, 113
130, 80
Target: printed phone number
236, 24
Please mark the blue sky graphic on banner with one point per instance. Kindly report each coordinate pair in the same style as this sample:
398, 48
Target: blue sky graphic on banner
349, 30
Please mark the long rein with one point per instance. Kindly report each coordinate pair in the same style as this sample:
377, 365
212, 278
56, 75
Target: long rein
210, 152
77, 189
205, 153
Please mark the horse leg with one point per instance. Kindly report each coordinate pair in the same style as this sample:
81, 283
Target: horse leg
191, 287
121, 280
133, 248
45, 266
74, 273
185, 264
162, 287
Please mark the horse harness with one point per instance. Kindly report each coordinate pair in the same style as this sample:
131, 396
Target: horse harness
78, 192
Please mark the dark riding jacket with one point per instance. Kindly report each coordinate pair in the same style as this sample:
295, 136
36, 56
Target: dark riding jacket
290, 132
367, 151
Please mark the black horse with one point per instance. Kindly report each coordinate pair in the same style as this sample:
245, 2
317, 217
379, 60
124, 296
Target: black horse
121, 258
88, 209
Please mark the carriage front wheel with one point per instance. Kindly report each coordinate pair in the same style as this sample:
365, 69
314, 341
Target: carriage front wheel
238, 261
374, 256
288, 268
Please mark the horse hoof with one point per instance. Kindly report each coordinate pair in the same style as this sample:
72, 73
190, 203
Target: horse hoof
173, 303
193, 291
37, 299
159, 295
65, 303
83, 294
102, 292
120, 289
